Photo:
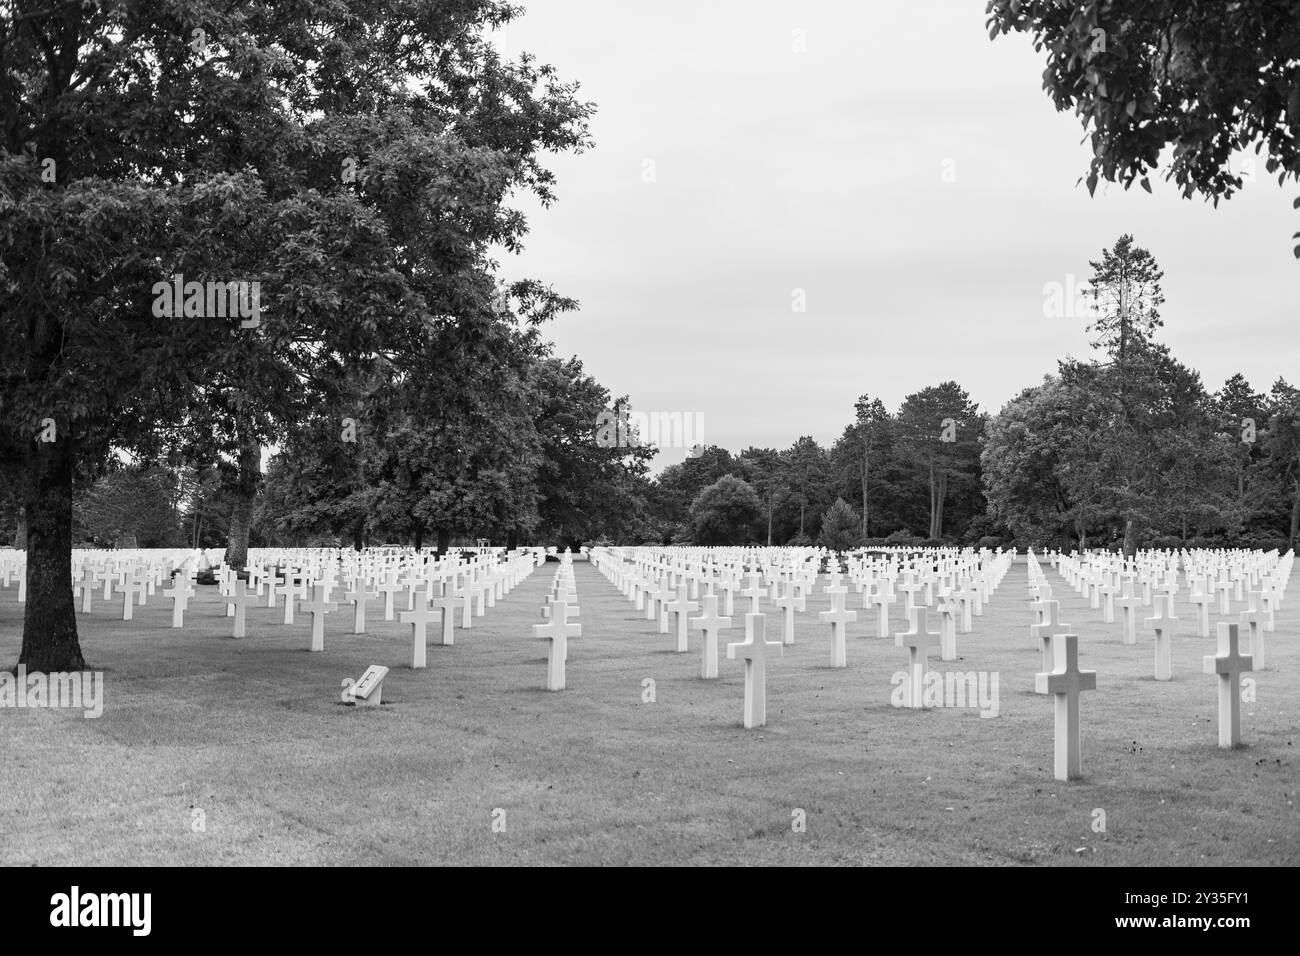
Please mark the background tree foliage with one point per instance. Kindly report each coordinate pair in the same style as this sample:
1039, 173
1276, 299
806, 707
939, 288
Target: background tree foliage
725, 513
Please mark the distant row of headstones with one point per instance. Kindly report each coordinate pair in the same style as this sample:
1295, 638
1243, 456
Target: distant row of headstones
415, 588
669, 582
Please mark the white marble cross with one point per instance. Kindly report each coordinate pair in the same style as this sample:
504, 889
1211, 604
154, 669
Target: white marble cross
357, 596
1039, 606
1065, 682
1224, 586
128, 587
710, 623
180, 593
1253, 619
418, 617
754, 652
1202, 600
272, 582
1128, 606
1107, 592
755, 591
883, 597
787, 604
1046, 631
646, 590
446, 603
728, 584
466, 595
107, 576
918, 641
1229, 664
838, 618
240, 597
388, 588
1163, 627
663, 595
1164, 594
948, 612
295, 589
479, 587
1269, 603
967, 595
318, 607
681, 607
909, 589
88, 586
557, 631
289, 592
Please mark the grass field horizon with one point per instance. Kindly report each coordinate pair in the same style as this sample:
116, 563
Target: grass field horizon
253, 733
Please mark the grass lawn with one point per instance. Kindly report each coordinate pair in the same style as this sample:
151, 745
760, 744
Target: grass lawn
253, 733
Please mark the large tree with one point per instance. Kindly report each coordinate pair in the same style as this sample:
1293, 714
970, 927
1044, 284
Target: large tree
870, 430
677, 486
586, 488
806, 474
353, 158
1240, 413
761, 468
1284, 446
1027, 488
725, 512
939, 430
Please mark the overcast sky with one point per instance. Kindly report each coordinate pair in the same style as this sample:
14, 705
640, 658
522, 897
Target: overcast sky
824, 170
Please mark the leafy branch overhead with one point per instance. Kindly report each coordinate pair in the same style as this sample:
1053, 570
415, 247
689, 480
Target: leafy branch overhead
1203, 79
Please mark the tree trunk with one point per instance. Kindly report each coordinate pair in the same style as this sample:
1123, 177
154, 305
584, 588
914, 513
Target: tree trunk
932, 499
1295, 513
864, 493
49, 617
936, 524
1130, 539
359, 535
245, 493
419, 535
241, 521
802, 505
20, 533
444, 539
769, 520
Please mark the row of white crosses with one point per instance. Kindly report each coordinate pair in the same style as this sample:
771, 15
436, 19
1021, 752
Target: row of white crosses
665, 591
919, 639
1258, 578
438, 599
305, 579
666, 582
133, 574
425, 582
1062, 677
